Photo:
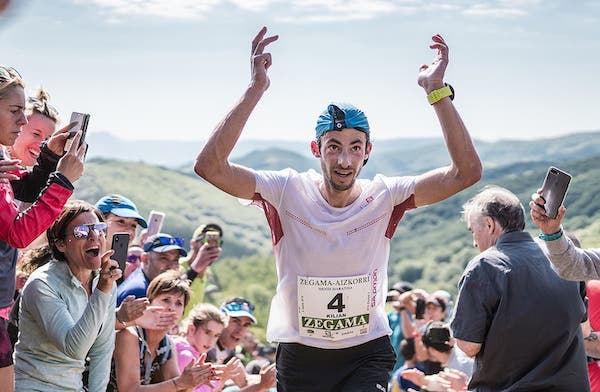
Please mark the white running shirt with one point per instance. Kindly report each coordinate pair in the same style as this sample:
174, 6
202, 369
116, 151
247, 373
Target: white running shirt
331, 262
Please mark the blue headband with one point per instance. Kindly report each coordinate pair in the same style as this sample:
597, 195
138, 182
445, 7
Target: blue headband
338, 116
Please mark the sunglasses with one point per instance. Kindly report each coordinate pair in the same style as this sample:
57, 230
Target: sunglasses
8, 74
239, 304
163, 241
133, 259
82, 232
43, 107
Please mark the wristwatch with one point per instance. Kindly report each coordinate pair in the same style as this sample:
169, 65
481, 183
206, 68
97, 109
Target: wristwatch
436, 95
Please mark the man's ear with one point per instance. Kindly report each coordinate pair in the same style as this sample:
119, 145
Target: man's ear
368, 150
491, 224
314, 148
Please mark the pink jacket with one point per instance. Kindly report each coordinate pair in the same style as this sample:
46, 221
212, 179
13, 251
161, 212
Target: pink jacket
20, 228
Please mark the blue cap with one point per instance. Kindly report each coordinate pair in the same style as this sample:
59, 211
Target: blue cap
338, 116
163, 242
120, 206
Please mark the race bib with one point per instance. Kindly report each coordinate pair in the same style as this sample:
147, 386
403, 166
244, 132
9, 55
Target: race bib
334, 308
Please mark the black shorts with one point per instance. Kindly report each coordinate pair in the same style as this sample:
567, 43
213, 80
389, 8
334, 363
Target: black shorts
363, 368
6, 348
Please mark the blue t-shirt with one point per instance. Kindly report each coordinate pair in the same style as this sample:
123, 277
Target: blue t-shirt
136, 284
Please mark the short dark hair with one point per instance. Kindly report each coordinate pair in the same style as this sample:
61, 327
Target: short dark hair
58, 230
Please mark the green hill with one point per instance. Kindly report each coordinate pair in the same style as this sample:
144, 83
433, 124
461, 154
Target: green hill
430, 248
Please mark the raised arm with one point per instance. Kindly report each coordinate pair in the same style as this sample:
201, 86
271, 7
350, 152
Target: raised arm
571, 262
213, 163
465, 169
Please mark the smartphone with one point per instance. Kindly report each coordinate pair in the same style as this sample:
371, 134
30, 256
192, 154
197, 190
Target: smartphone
420, 309
554, 190
82, 120
212, 238
120, 244
155, 221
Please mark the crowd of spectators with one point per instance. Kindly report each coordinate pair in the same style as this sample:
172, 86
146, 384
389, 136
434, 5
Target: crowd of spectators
72, 318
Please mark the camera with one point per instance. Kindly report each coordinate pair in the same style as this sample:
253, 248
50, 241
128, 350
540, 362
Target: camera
420, 309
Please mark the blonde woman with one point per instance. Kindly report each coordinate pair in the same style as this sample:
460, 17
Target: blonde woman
51, 189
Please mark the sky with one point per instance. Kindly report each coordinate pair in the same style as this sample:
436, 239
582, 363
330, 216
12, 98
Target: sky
171, 69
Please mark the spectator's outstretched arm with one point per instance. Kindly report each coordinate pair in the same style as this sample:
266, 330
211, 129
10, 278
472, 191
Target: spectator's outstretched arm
213, 163
570, 262
465, 169
20, 228
267, 380
29, 186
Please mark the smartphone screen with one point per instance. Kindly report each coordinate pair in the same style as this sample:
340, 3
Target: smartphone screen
82, 120
554, 190
120, 244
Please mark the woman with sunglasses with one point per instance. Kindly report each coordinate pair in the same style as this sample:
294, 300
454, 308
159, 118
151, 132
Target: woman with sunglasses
67, 307
146, 359
49, 185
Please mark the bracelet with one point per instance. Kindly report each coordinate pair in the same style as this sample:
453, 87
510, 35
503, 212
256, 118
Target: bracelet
440, 93
551, 237
191, 274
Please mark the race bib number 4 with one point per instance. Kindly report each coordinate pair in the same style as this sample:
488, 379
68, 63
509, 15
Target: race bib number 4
334, 308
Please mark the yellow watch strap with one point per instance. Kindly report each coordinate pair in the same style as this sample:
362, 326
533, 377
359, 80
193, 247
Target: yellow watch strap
440, 93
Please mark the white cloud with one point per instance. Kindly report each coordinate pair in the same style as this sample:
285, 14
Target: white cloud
494, 11
314, 10
174, 9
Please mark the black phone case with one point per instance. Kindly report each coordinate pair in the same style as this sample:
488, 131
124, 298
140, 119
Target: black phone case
554, 190
120, 243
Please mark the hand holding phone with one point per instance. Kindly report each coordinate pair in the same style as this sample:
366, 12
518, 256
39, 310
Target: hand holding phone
82, 120
554, 190
120, 244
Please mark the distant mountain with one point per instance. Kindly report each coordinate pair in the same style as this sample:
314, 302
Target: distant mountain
172, 153
393, 156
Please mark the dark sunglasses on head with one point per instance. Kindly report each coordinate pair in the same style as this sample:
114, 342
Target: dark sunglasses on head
8, 74
239, 304
43, 107
162, 241
82, 232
